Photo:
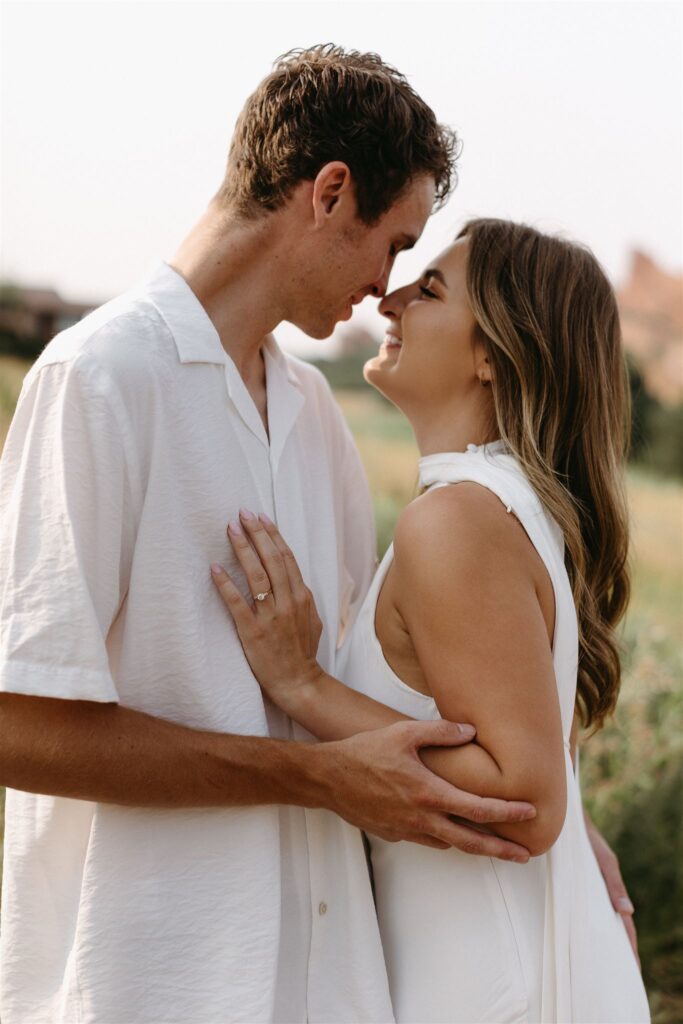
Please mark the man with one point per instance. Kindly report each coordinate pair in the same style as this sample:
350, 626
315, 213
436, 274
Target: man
185, 865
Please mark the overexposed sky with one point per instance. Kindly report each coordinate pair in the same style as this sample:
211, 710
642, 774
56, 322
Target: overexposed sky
116, 119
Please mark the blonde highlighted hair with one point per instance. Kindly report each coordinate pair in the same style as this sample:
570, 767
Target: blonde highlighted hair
548, 319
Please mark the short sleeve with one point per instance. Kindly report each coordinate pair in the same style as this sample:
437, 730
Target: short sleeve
67, 530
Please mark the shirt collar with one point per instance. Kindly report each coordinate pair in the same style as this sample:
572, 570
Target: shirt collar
194, 334
279, 361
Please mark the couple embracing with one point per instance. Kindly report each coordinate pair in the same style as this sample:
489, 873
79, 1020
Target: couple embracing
247, 779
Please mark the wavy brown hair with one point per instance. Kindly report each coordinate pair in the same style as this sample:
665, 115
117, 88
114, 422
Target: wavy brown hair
326, 103
548, 319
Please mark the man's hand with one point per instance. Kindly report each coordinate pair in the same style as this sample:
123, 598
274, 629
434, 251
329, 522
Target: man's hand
609, 866
378, 783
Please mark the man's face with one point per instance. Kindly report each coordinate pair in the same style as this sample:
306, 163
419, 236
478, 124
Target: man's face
355, 260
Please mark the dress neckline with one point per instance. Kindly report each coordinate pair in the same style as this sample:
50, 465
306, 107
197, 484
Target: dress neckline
430, 465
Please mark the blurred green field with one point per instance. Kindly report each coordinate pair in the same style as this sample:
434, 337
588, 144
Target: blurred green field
632, 771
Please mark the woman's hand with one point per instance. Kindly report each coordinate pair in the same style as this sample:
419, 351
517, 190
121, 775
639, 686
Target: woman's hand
609, 866
280, 630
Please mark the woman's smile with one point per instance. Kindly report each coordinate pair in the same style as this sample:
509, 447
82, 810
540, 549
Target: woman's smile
391, 342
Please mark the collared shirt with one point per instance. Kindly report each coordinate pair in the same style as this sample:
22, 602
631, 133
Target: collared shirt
134, 442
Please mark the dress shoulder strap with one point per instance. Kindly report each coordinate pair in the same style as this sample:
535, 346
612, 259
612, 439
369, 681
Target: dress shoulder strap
488, 465
494, 468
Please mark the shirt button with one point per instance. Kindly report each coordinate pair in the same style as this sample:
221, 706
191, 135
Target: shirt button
322, 908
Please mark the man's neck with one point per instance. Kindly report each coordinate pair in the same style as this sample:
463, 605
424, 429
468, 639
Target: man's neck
231, 266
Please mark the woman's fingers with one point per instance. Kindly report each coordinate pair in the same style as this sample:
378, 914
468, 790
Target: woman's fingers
242, 614
296, 580
261, 562
632, 934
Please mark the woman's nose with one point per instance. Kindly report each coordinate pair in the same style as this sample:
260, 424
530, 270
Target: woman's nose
391, 306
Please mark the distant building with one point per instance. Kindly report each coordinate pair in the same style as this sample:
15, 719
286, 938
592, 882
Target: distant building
37, 313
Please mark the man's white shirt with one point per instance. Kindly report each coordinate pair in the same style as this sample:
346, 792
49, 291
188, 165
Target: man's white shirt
134, 442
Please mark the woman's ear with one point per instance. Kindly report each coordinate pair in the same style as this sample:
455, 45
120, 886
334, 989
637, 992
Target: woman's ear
483, 370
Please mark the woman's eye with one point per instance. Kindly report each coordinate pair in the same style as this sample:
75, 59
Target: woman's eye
427, 292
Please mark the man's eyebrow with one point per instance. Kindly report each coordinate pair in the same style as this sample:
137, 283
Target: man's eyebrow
435, 272
408, 242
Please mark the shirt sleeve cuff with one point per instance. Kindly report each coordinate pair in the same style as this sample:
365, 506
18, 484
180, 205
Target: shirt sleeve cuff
62, 681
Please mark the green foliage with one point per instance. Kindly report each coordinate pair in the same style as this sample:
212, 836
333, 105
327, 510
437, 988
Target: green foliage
10, 295
633, 780
24, 348
346, 373
657, 430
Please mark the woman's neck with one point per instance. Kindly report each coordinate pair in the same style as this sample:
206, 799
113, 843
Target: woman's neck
453, 431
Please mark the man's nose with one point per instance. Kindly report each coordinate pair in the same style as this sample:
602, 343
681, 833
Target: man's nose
378, 288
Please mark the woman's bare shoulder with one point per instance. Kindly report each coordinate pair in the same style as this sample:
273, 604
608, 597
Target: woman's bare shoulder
458, 520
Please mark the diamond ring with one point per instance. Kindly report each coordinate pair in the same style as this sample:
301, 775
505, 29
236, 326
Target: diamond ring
261, 597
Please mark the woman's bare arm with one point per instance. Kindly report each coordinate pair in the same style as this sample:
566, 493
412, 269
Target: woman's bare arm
467, 579
501, 680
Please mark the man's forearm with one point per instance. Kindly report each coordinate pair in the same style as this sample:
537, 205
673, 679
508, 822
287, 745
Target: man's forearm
113, 754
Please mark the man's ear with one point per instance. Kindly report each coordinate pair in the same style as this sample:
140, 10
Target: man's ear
332, 183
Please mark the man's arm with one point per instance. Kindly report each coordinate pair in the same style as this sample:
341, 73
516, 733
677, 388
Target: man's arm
112, 754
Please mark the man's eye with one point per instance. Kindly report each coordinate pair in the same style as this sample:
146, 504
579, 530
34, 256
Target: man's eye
427, 292
393, 250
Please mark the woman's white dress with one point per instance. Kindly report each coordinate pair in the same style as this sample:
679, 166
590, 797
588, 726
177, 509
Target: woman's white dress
476, 939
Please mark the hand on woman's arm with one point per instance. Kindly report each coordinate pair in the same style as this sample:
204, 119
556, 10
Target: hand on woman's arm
280, 637
468, 583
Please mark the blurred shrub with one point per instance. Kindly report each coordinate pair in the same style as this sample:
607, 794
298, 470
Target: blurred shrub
346, 372
657, 430
632, 780
25, 348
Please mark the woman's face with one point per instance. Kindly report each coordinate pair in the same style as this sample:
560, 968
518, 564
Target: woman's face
430, 357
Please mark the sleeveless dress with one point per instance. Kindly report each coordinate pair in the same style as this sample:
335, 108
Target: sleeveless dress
477, 939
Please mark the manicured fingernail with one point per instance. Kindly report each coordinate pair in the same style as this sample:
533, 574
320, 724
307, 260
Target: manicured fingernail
520, 860
246, 514
625, 906
216, 568
265, 519
234, 527
467, 731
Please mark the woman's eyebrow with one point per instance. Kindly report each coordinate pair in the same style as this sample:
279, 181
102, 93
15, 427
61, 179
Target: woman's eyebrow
435, 272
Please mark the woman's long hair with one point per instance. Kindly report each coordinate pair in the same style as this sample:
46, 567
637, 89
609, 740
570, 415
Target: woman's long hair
548, 319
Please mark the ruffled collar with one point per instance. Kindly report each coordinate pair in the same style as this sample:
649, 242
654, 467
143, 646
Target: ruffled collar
435, 468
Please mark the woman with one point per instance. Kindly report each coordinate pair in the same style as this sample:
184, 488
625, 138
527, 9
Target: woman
495, 605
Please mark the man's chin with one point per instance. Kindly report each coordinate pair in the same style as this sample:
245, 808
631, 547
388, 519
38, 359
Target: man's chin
319, 331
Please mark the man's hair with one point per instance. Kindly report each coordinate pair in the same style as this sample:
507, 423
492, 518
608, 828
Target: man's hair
326, 103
